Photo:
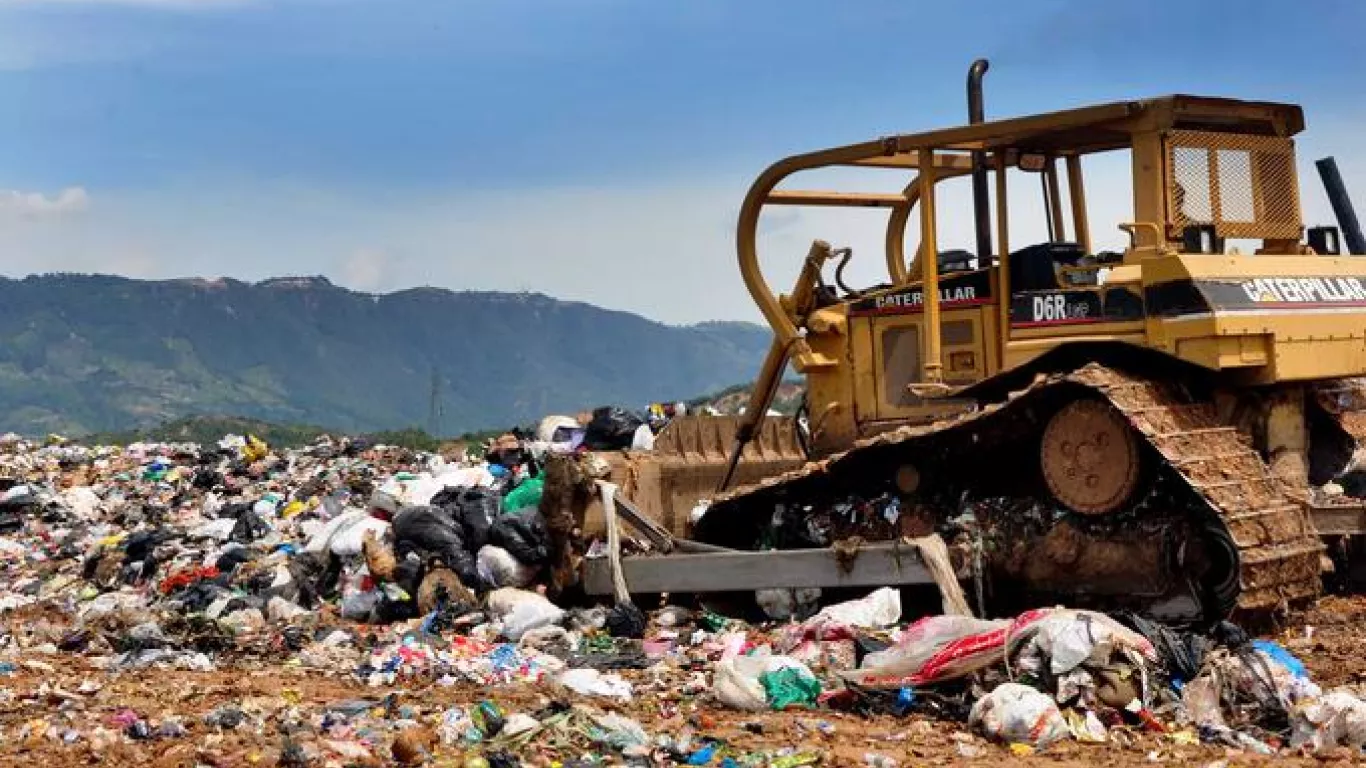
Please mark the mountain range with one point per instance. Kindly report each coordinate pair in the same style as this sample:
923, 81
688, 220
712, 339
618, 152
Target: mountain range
86, 353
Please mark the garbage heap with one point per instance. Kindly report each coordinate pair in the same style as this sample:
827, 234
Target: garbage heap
241, 534
420, 579
1046, 676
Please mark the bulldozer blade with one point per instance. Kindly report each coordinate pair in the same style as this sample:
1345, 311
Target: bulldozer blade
689, 459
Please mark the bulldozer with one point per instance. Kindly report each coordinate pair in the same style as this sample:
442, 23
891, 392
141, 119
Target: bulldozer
1173, 427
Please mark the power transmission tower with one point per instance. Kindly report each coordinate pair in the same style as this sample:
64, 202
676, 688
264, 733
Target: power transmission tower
435, 409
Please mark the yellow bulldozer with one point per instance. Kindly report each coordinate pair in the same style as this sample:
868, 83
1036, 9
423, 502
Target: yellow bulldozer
1172, 426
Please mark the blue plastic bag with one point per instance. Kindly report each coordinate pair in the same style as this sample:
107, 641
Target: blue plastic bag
704, 755
1282, 656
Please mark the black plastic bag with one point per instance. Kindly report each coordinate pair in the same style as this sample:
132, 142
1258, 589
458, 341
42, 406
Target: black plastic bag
197, 597
139, 544
523, 534
474, 508
626, 620
206, 478
389, 610
232, 558
431, 532
479, 508
13, 511
314, 574
233, 509
611, 428
408, 574
249, 528
502, 759
1182, 653
445, 498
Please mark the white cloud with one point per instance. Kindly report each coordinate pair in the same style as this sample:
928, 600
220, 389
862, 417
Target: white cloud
367, 269
663, 249
69, 200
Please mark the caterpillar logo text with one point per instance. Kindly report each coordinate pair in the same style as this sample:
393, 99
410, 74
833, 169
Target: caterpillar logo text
1305, 290
916, 298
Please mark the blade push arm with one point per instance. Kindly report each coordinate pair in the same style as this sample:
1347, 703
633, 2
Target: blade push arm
775, 363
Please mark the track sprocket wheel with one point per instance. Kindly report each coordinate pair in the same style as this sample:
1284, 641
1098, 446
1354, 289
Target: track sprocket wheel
1090, 457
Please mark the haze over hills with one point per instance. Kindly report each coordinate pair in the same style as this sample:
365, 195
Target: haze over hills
84, 353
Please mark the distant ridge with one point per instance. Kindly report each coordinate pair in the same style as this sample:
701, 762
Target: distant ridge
87, 353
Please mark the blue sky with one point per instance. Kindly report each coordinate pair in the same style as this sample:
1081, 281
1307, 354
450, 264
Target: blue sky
590, 149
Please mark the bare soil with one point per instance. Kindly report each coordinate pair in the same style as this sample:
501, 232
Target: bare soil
68, 691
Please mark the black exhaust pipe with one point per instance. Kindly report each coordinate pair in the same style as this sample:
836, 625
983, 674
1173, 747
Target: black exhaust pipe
981, 207
1342, 205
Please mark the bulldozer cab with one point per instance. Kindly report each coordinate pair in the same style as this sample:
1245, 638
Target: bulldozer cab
1213, 184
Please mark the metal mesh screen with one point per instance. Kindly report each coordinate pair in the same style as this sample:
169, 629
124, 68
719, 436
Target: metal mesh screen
1245, 186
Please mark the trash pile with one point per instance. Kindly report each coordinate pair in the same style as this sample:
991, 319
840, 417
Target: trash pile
348, 603
608, 428
1049, 675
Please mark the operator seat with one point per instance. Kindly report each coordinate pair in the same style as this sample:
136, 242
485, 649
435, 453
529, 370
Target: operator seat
1036, 268
956, 260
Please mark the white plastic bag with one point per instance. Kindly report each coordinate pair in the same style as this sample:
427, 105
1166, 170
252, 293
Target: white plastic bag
882, 608
498, 567
1201, 699
922, 641
698, 510
265, 508
322, 538
1087, 727
643, 439
622, 732
350, 539
1017, 713
82, 501
280, 609
501, 602
1068, 638
359, 606
519, 722
1335, 719
777, 604
219, 529
465, 477
523, 611
735, 683
541, 638
420, 490
591, 682
735, 679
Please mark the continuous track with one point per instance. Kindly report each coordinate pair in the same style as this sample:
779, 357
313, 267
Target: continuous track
1234, 497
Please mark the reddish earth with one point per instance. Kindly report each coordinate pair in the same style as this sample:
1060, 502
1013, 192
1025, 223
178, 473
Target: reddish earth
274, 693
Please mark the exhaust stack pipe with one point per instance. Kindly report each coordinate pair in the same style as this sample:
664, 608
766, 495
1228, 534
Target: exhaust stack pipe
981, 206
1342, 206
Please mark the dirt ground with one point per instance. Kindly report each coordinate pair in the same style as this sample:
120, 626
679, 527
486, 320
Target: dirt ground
284, 704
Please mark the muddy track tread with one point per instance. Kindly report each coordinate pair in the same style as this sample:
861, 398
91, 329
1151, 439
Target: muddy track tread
1279, 551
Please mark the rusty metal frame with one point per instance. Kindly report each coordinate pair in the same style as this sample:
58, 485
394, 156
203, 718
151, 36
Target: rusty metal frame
877, 154
1075, 132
